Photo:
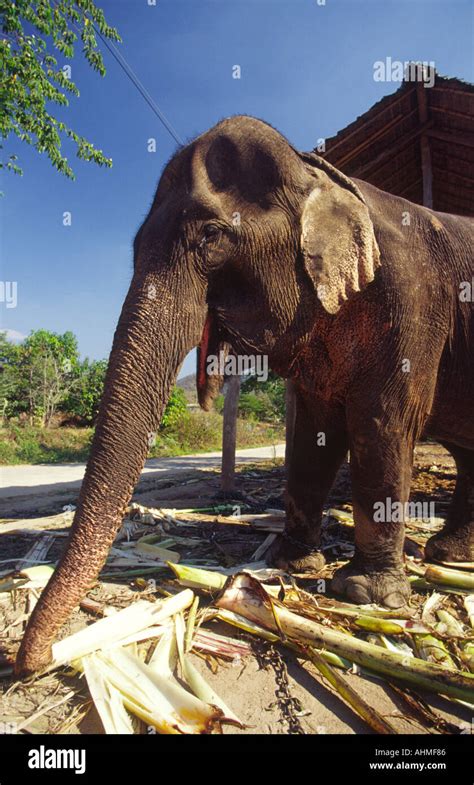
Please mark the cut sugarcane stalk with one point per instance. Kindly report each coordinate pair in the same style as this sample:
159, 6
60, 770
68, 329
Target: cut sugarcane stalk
246, 596
447, 577
112, 629
348, 694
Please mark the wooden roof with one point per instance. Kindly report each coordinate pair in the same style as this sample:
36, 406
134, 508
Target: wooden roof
417, 143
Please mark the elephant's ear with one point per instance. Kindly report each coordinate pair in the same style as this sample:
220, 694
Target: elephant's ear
338, 243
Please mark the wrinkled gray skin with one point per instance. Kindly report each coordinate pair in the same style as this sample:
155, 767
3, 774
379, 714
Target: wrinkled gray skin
251, 243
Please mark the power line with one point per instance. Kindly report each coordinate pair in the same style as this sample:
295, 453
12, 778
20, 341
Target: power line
128, 70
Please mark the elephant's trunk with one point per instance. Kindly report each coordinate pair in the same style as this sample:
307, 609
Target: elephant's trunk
153, 336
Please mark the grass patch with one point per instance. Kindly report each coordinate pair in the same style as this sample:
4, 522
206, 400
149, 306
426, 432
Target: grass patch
195, 432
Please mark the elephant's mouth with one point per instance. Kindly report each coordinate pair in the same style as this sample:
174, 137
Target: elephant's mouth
211, 345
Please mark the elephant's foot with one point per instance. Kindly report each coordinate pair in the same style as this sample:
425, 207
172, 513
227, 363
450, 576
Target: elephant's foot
452, 546
293, 555
388, 587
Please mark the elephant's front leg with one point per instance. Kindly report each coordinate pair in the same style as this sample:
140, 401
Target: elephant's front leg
381, 464
318, 449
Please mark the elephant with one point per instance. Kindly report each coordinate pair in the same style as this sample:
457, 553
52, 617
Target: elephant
359, 297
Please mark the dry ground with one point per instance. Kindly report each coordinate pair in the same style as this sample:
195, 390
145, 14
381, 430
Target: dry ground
253, 687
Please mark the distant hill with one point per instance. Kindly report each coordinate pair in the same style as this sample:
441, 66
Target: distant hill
188, 384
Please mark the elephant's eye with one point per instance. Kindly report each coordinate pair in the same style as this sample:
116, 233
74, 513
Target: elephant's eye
210, 234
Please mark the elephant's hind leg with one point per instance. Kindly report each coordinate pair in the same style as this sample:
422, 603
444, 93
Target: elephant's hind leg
319, 446
381, 461
455, 543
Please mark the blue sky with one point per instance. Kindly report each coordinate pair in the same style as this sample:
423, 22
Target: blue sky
306, 68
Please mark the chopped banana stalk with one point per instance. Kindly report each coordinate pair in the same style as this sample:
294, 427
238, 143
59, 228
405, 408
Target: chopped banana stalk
247, 597
237, 620
28, 578
341, 516
190, 624
165, 657
469, 606
349, 694
180, 631
202, 690
432, 649
451, 625
389, 626
460, 565
159, 702
397, 646
195, 578
155, 631
107, 698
467, 654
230, 648
430, 605
419, 584
112, 629
355, 611
446, 577
155, 552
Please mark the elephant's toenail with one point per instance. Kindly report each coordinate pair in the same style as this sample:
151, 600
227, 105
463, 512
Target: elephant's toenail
358, 594
394, 600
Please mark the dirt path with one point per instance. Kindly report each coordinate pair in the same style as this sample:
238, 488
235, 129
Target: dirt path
44, 488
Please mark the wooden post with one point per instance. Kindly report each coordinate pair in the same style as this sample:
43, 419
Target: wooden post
229, 433
290, 415
426, 167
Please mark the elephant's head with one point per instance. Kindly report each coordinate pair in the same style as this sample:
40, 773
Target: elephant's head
246, 240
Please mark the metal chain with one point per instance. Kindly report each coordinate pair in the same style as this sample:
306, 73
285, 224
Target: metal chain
304, 546
290, 707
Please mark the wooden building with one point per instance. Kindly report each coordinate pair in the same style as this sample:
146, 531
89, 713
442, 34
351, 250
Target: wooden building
417, 143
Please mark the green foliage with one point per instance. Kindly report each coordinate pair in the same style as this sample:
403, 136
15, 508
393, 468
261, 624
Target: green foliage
219, 404
176, 408
31, 77
30, 444
9, 357
84, 400
263, 401
37, 375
